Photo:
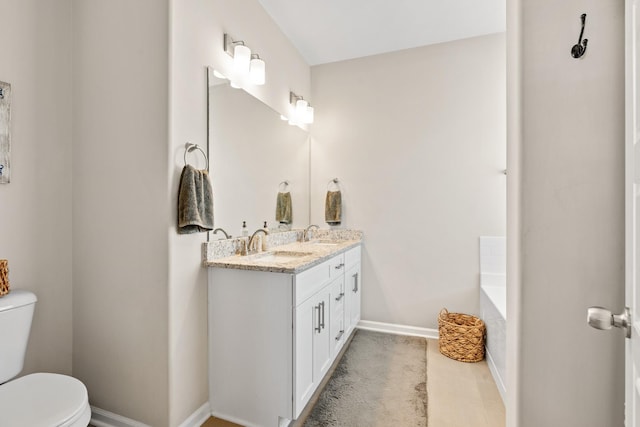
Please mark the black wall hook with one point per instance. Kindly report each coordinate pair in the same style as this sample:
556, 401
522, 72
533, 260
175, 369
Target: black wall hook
581, 48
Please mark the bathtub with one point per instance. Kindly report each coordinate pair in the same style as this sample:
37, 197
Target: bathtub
493, 310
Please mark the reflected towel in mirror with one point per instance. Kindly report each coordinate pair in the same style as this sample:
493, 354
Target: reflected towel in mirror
333, 208
195, 201
284, 210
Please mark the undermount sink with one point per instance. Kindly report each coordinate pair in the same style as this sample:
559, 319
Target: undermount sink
280, 256
326, 242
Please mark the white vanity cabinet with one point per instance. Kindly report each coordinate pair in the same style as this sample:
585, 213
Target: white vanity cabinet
274, 336
353, 285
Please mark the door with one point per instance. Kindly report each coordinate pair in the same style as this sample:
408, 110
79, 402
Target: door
632, 213
599, 317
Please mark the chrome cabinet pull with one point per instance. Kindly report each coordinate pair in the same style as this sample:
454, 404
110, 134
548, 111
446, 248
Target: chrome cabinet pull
318, 328
355, 283
339, 335
322, 321
339, 297
339, 266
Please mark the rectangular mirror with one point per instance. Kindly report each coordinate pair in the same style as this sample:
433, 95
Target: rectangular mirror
252, 152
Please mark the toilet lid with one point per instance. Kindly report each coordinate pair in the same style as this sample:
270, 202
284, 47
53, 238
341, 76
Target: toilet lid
41, 400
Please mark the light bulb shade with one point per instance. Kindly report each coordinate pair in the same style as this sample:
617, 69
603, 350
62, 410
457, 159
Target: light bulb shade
241, 58
301, 107
308, 115
257, 71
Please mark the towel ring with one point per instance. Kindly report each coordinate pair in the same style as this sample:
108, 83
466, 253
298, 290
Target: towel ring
283, 185
335, 181
189, 147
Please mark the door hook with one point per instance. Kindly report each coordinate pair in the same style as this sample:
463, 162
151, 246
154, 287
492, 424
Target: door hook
581, 48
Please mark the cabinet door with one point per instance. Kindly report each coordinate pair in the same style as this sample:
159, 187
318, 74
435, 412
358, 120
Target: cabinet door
337, 291
322, 336
305, 323
353, 291
312, 346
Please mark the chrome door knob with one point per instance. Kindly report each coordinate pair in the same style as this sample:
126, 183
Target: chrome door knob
601, 318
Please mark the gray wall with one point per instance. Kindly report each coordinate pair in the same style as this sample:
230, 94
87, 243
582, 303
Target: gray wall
417, 139
35, 208
121, 208
566, 216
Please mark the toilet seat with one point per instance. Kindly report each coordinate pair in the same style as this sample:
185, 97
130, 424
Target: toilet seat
44, 400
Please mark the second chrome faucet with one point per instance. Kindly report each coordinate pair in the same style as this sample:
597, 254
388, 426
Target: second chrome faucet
249, 249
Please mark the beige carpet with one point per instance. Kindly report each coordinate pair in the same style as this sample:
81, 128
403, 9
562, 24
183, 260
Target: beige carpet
379, 382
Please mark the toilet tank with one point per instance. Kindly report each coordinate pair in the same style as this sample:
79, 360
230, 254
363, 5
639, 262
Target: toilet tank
16, 312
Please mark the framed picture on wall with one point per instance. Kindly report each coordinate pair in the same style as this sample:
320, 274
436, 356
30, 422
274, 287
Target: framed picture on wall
5, 133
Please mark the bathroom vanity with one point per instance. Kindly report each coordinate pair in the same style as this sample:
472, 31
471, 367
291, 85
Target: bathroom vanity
277, 322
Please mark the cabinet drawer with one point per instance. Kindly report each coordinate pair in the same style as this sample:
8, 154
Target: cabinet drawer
337, 291
337, 266
352, 257
310, 281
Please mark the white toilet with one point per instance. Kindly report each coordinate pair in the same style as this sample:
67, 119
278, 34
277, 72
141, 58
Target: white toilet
35, 400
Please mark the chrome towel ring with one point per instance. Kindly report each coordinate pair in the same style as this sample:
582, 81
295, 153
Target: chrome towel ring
334, 181
283, 185
189, 147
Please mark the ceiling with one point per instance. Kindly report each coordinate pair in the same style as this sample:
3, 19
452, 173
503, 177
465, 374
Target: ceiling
335, 30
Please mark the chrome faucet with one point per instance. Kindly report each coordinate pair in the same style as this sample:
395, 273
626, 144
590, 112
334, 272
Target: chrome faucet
305, 233
249, 247
226, 235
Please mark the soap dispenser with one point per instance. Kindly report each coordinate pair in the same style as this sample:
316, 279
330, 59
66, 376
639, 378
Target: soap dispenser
265, 246
245, 232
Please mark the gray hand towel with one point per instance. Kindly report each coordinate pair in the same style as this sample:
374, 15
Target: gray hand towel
195, 201
284, 210
333, 208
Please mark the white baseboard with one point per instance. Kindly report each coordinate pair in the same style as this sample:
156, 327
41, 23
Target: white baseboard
102, 418
198, 418
391, 328
496, 376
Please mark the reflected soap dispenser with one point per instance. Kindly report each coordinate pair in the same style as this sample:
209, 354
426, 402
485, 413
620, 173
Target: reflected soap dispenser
265, 246
245, 232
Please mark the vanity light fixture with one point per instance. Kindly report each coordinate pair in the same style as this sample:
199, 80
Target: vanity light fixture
257, 70
245, 64
303, 112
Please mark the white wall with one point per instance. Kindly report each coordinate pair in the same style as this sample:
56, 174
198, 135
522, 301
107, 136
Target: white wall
121, 206
35, 208
566, 148
417, 140
197, 28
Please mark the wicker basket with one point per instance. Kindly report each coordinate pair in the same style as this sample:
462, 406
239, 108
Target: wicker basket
461, 336
4, 277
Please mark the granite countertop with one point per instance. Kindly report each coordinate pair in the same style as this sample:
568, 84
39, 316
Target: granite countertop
287, 258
